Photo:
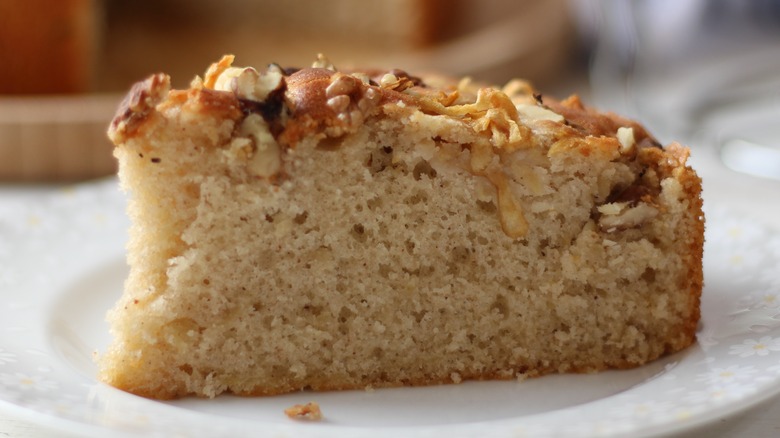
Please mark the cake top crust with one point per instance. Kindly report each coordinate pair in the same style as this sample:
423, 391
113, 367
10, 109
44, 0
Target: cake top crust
324, 101
281, 107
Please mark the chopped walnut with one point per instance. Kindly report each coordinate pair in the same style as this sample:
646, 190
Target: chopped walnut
626, 138
342, 85
511, 214
389, 80
396, 80
310, 411
535, 112
350, 98
247, 83
492, 113
362, 77
222, 80
619, 216
369, 100
267, 158
323, 62
612, 208
239, 150
339, 103
521, 92
141, 101
216, 69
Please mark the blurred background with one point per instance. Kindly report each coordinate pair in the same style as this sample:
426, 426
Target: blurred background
683, 67
66, 64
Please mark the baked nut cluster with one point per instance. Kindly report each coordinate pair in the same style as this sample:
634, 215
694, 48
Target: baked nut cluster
281, 106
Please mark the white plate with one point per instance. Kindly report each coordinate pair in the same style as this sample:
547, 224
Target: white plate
62, 265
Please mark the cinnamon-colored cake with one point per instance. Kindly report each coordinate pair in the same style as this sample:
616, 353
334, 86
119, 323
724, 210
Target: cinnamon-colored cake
324, 229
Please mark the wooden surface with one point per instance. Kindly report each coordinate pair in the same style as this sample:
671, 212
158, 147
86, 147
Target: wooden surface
56, 138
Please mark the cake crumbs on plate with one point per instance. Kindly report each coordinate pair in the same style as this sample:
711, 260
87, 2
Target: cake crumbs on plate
310, 411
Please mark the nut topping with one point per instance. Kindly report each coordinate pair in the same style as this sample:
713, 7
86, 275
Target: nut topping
534, 112
267, 159
612, 208
362, 77
519, 90
626, 138
323, 62
398, 80
247, 83
388, 80
139, 103
370, 98
616, 216
342, 84
339, 103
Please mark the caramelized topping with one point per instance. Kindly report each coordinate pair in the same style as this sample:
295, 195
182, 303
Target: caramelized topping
325, 103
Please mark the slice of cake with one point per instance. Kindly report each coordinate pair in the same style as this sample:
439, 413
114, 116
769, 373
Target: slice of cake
323, 229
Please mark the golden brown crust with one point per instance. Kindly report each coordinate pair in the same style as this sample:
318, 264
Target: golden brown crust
137, 105
311, 108
590, 121
221, 104
694, 283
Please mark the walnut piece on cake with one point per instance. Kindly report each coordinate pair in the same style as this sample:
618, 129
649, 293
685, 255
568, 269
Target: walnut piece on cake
328, 229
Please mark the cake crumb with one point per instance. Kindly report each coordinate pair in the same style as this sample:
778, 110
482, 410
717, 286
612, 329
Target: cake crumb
310, 411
